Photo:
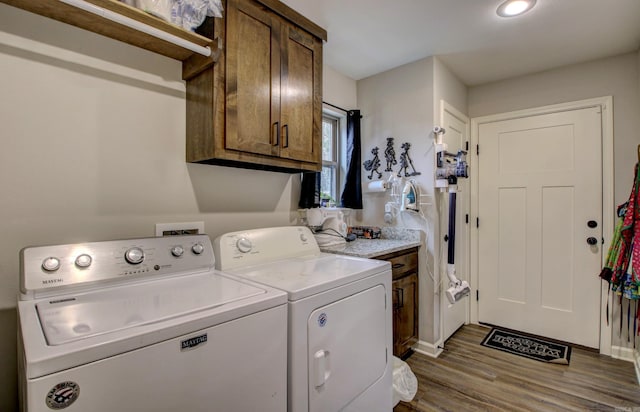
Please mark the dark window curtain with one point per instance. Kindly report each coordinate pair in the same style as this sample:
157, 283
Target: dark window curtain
352, 194
310, 190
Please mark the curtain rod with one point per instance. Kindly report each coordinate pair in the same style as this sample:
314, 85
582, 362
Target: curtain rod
337, 107
134, 24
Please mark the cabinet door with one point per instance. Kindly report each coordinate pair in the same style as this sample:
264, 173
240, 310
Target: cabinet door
252, 79
301, 96
405, 327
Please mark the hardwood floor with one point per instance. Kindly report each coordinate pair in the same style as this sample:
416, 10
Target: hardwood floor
471, 377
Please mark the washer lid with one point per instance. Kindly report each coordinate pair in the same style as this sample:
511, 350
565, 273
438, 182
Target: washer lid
71, 318
304, 276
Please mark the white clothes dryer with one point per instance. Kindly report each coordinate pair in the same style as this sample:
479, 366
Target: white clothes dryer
340, 316
147, 325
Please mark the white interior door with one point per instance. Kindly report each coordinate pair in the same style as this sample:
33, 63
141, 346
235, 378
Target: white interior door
456, 136
539, 187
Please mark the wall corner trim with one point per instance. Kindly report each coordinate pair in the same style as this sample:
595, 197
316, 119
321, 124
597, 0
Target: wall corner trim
636, 362
429, 349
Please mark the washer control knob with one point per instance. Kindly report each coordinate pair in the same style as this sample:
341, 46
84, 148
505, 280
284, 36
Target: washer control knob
303, 237
197, 248
134, 255
244, 245
177, 251
83, 261
51, 264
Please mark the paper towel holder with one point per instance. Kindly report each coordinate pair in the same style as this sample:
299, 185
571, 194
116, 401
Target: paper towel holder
379, 186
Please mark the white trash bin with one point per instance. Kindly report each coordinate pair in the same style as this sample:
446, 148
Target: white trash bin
405, 383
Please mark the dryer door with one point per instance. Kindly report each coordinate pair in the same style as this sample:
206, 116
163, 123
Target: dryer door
347, 350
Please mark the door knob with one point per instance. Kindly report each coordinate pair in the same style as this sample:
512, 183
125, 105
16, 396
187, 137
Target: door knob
592, 241
592, 224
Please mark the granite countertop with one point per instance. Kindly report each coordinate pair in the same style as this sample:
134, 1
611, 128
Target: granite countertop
391, 240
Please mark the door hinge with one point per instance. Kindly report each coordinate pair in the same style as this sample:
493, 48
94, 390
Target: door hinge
477, 295
477, 222
478, 149
466, 218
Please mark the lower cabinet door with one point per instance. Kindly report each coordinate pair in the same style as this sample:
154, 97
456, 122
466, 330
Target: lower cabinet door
405, 313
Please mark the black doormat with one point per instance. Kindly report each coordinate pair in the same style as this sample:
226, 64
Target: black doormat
527, 346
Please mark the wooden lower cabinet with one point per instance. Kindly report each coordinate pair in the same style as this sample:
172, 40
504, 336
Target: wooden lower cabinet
404, 267
405, 313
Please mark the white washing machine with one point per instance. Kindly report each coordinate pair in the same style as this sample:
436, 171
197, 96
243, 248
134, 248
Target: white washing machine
340, 316
147, 325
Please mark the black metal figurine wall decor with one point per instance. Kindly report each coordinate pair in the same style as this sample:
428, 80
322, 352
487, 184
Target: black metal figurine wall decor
373, 164
406, 162
390, 155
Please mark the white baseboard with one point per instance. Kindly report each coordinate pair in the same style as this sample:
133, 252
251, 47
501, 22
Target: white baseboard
428, 349
636, 362
622, 353
628, 354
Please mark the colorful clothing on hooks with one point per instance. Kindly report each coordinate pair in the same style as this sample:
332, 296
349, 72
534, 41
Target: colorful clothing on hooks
622, 267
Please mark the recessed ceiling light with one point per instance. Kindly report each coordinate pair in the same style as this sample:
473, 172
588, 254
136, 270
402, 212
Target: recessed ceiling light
512, 8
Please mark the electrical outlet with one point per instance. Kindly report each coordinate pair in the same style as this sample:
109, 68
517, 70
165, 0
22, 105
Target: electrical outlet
177, 229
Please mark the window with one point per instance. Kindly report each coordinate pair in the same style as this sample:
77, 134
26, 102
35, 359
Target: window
330, 179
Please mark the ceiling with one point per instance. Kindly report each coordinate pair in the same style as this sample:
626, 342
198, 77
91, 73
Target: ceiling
366, 37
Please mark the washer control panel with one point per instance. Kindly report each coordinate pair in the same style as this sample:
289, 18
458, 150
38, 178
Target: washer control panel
237, 249
48, 267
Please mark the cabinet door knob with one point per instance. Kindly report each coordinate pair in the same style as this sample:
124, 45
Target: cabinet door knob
592, 241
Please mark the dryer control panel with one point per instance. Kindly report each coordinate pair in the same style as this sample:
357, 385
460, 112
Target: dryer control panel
257, 246
49, 268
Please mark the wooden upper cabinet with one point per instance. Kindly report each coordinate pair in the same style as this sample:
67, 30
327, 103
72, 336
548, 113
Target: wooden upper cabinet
253, 79
301, 96
269, 80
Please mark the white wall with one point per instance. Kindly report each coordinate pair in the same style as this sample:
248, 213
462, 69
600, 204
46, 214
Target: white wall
339, 89
447, 86
93, 148
404, 103
616, 76
399, 104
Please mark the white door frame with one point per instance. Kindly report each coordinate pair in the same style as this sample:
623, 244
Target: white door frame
608, 206
446, 107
